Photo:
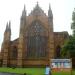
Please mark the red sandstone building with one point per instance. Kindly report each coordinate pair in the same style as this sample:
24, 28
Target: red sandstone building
37, 42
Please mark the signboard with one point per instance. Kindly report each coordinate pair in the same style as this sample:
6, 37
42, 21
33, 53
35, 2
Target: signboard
61, 64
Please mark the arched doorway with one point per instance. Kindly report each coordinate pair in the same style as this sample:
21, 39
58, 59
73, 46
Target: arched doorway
13, 57
14, 53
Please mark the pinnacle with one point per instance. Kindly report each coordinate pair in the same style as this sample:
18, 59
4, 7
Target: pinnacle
24, 7
37, 3
49, 6
9, 24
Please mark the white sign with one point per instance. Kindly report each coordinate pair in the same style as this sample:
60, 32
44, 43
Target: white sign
61, 63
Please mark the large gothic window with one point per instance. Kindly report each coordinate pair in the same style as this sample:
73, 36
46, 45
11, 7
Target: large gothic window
36, 41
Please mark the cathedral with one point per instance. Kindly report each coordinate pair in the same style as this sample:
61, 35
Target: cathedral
37, 42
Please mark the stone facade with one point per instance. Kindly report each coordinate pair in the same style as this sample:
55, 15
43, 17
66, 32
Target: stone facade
37, 42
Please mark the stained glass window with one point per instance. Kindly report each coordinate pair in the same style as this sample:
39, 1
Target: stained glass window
36, 41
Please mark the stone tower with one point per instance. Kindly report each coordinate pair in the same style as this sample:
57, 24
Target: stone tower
51, 34
6, 44
21, 38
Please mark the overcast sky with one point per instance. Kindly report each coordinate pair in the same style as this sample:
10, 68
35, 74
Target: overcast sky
12, 10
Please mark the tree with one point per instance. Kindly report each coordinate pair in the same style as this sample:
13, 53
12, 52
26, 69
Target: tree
68, 49
73, 23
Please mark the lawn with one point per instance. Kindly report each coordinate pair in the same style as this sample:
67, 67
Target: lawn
64, 73
61, 73
33, 71
29, 71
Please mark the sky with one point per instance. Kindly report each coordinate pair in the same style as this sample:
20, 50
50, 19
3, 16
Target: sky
12, 10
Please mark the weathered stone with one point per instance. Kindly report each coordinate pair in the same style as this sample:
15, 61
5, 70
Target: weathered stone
37, 42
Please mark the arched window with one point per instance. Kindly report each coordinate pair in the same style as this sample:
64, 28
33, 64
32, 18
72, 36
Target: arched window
14, 53
36, 41
58, 49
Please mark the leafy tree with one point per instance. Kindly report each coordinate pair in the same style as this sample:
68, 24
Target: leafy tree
73, 23
68, 49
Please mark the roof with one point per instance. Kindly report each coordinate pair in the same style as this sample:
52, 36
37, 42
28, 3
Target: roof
37, 11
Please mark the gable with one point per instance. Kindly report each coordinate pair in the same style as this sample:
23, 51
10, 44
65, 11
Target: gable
37, 11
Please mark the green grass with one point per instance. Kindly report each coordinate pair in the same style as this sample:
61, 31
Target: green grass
73, 72
61, 73
64, 73
31, 71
